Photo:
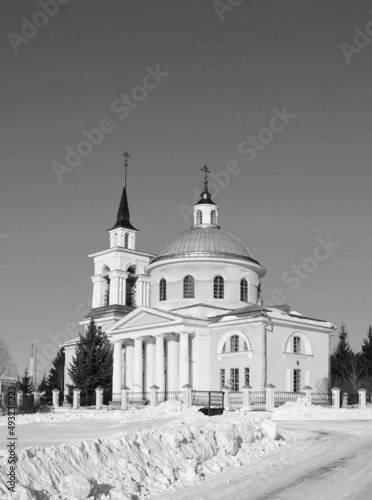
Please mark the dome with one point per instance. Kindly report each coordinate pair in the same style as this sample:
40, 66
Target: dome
207, 241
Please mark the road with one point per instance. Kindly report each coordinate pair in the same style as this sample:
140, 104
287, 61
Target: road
335, 463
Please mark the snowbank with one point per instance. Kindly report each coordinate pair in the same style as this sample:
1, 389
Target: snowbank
164, 410
303, 410
147, 462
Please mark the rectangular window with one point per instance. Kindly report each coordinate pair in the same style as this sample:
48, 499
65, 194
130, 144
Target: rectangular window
296, 380
234, 377
234, 343
246, 376
222, 378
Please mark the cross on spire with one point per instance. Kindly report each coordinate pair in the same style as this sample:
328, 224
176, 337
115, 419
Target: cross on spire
206, 172
126, 155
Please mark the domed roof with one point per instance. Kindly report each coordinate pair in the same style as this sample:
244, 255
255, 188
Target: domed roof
207, 241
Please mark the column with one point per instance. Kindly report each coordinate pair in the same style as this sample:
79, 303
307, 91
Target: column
97, 291
116, 374
129, 355
138, 366
55, 398
114, 287
150, 363
172, 370
159, 363
184, 359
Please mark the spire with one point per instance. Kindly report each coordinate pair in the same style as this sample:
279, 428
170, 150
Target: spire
205, 196
123, 212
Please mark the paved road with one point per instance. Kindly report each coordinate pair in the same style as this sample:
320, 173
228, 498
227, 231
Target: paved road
335, 463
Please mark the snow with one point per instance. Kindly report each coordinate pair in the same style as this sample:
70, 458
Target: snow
152, 461
166, 409
303, 410
153, 452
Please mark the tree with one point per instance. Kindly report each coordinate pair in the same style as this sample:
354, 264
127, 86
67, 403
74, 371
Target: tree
342, 354
42, 387
92, 365
56, 377
353, 369
26, 385
7, 368
366, 353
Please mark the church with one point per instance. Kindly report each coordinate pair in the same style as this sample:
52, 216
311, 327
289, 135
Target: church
194, 314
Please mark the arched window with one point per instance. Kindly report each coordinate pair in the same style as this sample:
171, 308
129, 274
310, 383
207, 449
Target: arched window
218, 287
243, 290
126, 240
199, 217
245, 346
106, 297
234, 343
162, 290
213, 217
297, 345
188, 287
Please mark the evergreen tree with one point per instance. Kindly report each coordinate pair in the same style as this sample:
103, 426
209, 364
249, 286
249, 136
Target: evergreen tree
56, 377
92, 365
342, 354
366, 353
42, 387
26, 385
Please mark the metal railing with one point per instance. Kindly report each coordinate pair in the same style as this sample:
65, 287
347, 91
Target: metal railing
280, 398
258, 400
236, 400
170, 396
321, 399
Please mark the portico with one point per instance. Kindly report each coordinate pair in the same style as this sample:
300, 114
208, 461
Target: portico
143, 361
153, 347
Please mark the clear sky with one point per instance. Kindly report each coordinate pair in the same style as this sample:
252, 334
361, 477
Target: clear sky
227, 73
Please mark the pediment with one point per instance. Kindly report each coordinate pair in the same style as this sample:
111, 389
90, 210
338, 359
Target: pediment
143, 317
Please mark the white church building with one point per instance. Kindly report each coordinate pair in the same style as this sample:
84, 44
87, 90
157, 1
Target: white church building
193, 314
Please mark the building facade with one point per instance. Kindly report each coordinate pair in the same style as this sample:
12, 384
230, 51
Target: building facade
194, 315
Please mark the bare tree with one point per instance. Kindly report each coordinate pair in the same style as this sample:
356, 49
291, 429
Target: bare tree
7, 368
353, 370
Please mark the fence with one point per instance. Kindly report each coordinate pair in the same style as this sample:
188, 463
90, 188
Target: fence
27, 405
170, 396
280, 398
258, 400
321, 399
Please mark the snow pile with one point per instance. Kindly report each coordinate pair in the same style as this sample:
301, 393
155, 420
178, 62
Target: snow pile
151, 461
303, 410
163, 410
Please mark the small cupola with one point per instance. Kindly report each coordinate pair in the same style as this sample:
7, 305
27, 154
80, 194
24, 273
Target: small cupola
205, 211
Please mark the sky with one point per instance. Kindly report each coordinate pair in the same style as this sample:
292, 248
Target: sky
221, 75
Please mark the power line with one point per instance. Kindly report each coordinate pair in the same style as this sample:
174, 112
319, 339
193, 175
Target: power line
306, 251
328, 264
324, 276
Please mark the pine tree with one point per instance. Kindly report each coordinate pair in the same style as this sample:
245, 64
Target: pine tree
366, 353
42, 387
92, 365
26, 385
56, 377
342, 354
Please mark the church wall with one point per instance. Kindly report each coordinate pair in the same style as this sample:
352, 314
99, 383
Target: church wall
281, 365
203, 272
252, 360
